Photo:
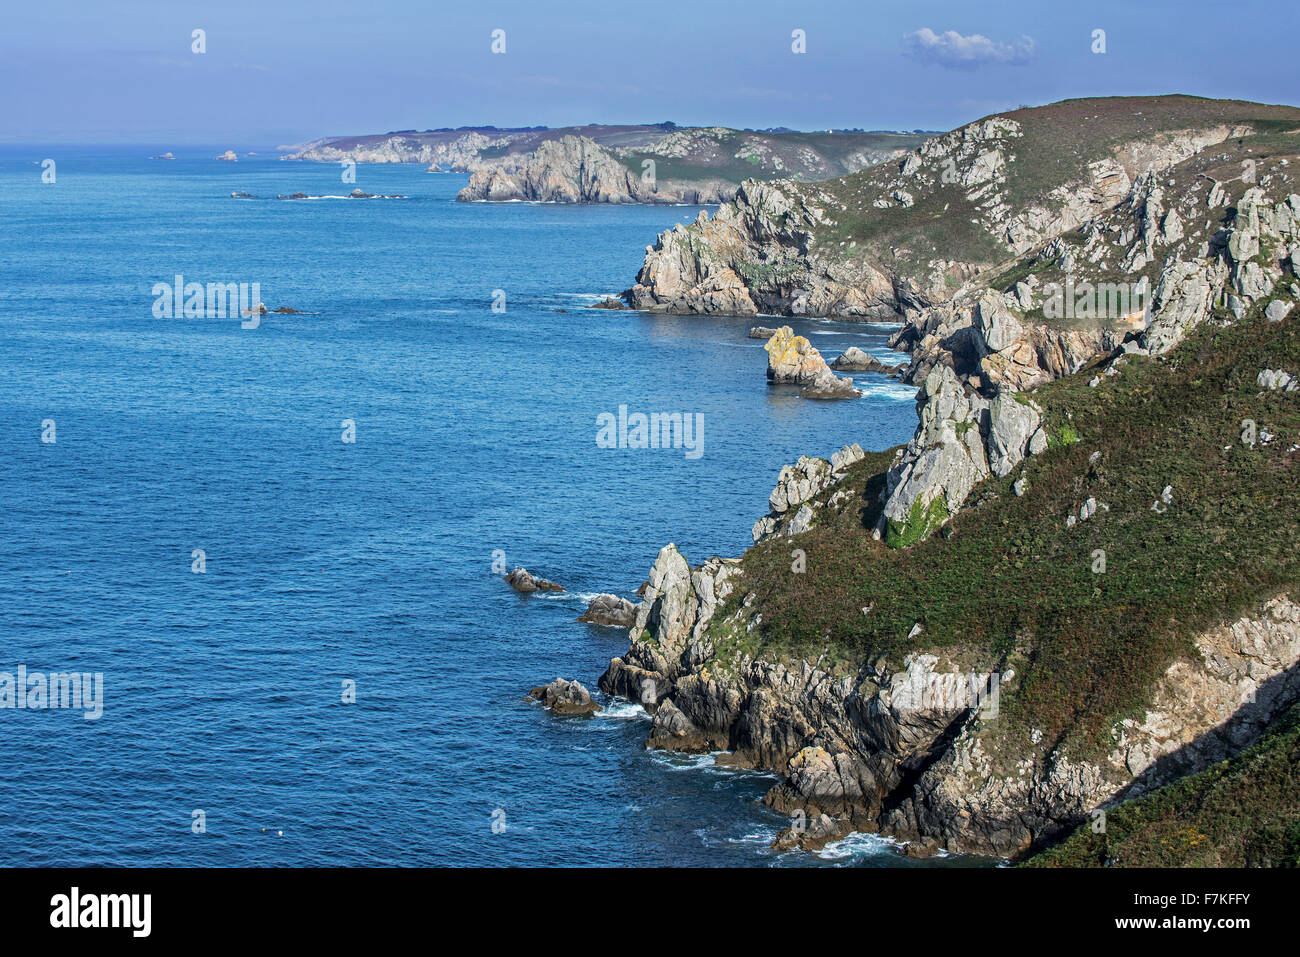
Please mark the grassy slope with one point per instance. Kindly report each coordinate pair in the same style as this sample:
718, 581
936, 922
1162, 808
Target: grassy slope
1242, 812
832, 152
1007, 583
1058, 143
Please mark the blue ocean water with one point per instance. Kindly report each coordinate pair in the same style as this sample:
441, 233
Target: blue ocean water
369, 561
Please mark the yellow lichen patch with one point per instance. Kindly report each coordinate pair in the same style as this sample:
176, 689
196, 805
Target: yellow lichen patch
785, 338
785, 349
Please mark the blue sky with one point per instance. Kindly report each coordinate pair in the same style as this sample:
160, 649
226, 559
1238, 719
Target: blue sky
282, 71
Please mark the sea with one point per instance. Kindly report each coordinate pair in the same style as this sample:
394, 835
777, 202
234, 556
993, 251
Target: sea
275, 546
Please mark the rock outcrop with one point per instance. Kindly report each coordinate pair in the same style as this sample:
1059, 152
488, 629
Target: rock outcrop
520, 580
962, 439
854, 359
615, 163
570, 170
792, 507
565, 698
792, 360
914, 752
609, 610
859, 247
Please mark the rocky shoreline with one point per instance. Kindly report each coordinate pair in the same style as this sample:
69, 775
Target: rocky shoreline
906, 744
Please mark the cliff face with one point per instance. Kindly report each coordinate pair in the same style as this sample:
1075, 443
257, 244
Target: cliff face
458, 151
578, 170
702, 166
1077, 582
891, 240
617, 164
900, 750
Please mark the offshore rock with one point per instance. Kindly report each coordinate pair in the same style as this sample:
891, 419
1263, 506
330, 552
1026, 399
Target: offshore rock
520, 580
610, 610
565, 698
793, 359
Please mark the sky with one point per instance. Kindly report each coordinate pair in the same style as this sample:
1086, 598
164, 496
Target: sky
278, 72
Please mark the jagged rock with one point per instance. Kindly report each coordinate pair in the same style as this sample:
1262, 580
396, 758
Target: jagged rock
1278, 379
609, 303
793, 359
1277, 310
999, 328
761, 332
854, 359
1011, 425
795, 485
810, 835
609, 610
573, 169
673, 731
565, 697
799, 482
940, 465
520, 580
802, 520
675, 611
846, 456
1251, 282
1180, 303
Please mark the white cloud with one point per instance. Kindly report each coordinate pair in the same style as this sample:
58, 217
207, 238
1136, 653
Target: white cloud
951, 49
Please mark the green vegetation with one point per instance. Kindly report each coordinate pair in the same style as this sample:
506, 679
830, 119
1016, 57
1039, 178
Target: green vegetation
921, 521
1009, 583
1062, 437
1241, 812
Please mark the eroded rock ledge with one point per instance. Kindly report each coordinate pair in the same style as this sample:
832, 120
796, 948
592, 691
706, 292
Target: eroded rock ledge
904, 749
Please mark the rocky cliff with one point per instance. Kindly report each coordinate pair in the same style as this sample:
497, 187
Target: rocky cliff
1077, 583
617, 164
894, 239
575, 169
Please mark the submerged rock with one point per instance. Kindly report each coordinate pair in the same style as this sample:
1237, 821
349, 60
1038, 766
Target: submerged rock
565, 697
520, 580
